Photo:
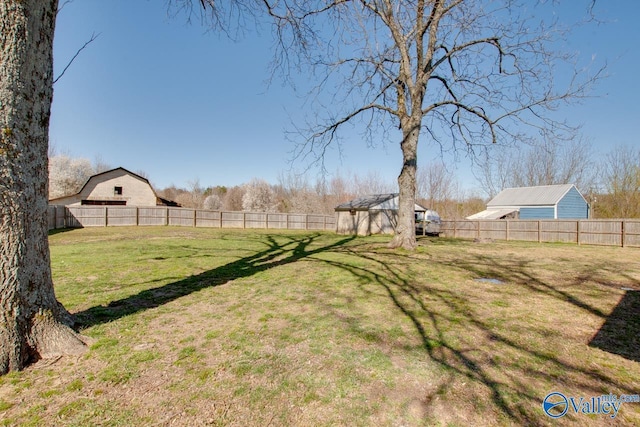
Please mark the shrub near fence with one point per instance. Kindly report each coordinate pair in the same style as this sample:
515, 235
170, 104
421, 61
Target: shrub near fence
106, 216
606, 232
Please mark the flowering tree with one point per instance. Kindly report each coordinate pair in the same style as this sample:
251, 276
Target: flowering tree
67, 175
259, 197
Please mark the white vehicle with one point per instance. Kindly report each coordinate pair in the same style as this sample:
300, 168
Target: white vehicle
428, 223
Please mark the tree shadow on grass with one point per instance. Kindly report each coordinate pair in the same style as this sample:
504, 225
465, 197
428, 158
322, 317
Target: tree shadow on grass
512, 370
274, 255
468, 344
620, 334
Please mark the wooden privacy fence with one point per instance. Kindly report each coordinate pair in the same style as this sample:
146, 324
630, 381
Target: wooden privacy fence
105, 216
607, 232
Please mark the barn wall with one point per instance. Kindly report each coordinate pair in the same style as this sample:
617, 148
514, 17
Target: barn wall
546, 212
135, 191
573, 206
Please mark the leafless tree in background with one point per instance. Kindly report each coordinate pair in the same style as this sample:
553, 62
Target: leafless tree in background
620, 177
545, 161
436, 184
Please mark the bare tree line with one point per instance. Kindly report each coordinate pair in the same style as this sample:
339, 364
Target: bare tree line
610, 182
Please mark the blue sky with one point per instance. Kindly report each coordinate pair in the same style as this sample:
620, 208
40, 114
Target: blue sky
156, 94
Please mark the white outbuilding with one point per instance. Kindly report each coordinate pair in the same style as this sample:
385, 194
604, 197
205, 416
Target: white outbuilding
373, 214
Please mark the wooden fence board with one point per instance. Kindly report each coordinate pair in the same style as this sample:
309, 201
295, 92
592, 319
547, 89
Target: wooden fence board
617, 232
614, 232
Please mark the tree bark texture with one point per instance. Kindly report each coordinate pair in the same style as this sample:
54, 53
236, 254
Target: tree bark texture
405, 235
33, 324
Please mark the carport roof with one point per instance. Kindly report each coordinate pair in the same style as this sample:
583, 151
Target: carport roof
492, 213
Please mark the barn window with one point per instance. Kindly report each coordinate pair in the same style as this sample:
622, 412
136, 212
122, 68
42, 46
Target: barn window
117, 191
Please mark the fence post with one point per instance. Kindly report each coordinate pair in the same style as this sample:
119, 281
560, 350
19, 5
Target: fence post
306, 221
220, 216
507, 231
539, 232
623, 234
106, 216
578, 231
195, 218
244, 220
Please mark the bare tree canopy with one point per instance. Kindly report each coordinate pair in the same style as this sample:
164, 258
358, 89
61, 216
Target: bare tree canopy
546, 161
466, 73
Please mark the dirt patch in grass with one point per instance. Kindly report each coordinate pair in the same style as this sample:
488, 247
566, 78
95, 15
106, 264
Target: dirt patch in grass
212, 327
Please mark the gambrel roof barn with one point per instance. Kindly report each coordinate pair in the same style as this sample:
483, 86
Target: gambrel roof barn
541, 202
115, 187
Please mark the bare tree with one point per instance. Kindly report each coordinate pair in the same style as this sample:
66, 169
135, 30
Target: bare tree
233, 198
296, 195
463, 72
436, 183
620, 177
370, 183
33, 324
545, 161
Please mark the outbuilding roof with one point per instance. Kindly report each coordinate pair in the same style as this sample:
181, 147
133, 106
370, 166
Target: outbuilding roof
374, 201
543, 195
492, 214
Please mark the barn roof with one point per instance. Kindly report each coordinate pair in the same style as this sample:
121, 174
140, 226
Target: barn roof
374, 201
543, 195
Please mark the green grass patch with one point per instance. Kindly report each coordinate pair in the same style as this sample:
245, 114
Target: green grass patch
252, 327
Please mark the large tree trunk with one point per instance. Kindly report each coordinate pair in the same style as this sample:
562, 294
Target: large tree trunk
33, 324
405, 236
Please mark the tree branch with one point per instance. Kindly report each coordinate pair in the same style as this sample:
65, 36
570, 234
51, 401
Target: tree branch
93, 37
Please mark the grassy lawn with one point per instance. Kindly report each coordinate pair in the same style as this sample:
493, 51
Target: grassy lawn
256, 328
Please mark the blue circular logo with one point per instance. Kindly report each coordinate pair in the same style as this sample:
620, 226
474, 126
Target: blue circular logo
555, 405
